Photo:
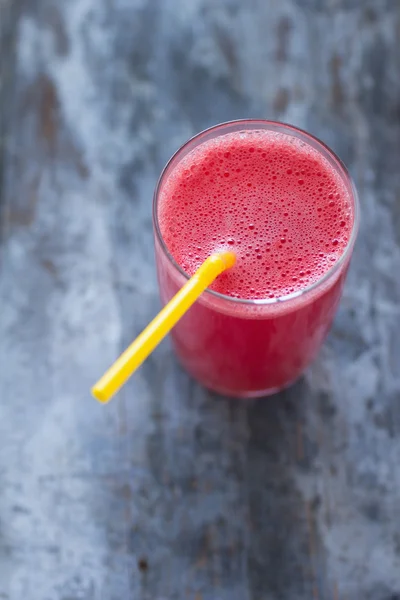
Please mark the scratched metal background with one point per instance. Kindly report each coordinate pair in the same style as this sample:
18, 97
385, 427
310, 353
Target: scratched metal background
170, 492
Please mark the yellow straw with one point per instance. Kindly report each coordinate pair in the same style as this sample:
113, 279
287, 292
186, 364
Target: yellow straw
162, 324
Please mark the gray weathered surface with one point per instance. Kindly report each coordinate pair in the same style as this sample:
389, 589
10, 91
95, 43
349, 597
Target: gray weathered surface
169, 492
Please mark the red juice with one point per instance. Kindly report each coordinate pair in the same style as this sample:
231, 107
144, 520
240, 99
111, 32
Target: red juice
285, 205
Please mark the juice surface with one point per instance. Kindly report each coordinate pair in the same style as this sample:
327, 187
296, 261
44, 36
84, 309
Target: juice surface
271, 198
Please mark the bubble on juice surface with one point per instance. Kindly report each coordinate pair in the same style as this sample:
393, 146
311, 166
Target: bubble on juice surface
269, 197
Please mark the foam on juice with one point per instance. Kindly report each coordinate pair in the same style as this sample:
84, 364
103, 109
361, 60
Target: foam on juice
269, 197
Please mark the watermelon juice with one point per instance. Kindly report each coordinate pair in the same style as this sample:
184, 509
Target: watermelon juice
285, 204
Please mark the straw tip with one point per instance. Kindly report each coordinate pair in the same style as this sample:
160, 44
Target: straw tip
229, 259
100, 395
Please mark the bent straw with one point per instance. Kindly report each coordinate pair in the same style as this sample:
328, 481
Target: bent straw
161, 325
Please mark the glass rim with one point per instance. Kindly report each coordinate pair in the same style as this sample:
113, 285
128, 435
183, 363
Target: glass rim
287, 128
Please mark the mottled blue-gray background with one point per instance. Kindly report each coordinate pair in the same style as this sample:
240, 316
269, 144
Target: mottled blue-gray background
170, 492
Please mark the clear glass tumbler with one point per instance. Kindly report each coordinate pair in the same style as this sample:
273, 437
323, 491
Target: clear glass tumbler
250, 348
